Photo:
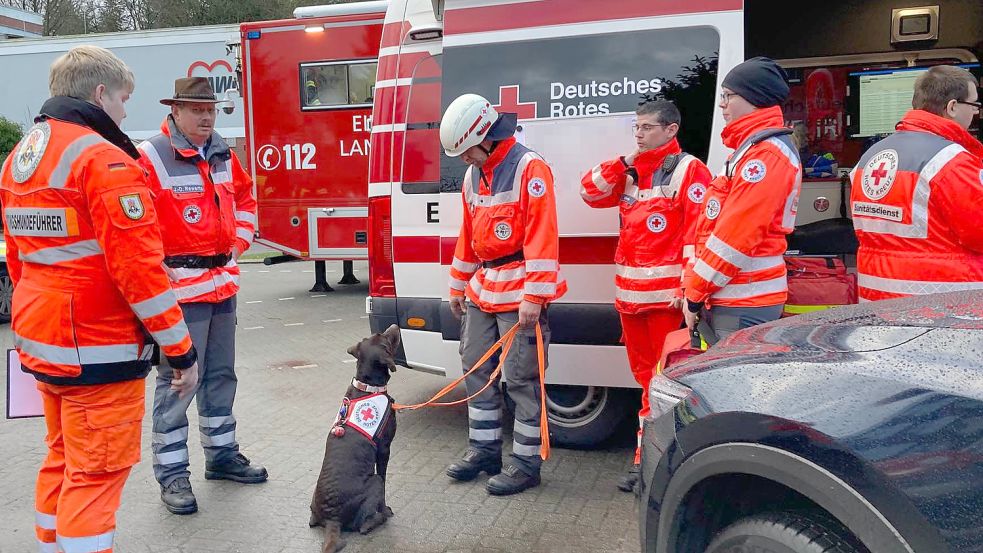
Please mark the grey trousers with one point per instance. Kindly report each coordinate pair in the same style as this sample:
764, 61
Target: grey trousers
479, 331
213, 333
720, 322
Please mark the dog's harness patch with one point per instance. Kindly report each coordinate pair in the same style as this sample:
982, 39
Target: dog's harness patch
366, 415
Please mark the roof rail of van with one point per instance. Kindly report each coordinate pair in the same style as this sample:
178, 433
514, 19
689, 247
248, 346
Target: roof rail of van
355, 8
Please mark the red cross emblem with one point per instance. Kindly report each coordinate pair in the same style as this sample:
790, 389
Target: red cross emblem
753, 171
368, 414
508, 101
879, 173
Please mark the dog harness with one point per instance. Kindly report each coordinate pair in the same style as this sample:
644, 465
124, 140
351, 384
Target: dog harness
367, 415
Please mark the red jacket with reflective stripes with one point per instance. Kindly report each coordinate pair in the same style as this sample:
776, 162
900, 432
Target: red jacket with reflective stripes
658, 215
509, 210
206, 207
915, 199
85, 254
748, 211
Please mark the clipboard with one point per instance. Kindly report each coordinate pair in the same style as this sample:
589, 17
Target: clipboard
23, 398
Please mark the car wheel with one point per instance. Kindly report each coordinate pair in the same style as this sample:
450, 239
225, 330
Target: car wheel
786, 533
585, 416
6, 294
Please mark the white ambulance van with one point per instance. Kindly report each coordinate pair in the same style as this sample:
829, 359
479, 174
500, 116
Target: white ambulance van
574, 71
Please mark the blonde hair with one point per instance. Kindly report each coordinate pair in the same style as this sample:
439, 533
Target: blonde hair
79, 71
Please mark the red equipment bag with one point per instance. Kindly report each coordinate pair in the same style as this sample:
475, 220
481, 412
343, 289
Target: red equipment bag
817, 283
677, 349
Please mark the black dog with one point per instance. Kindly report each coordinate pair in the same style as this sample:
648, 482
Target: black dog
351, 490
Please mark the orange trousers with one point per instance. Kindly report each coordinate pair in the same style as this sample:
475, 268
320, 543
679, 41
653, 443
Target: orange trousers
93, 441
644, 334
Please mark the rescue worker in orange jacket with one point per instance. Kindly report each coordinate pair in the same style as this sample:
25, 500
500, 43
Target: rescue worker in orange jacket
915, 192
738, 277
207, 217
659, 190
506, 265
90, 297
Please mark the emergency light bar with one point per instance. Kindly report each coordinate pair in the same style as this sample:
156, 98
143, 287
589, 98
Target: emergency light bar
355, 8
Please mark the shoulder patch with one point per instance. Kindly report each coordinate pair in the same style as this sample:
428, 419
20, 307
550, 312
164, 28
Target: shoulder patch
713, 208
537, 187
753, 171
696, 192
132, 206
879, 174
29, 152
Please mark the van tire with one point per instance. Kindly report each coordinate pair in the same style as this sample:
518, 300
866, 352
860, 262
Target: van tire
586, 416
6, 294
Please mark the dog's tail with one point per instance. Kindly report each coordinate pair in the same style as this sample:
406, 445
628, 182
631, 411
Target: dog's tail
332, 537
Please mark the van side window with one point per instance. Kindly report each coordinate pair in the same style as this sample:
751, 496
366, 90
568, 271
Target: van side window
336, 84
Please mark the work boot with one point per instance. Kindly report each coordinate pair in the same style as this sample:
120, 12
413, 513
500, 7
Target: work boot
629, 481
512, 480
472, 464
236, 469
178, 497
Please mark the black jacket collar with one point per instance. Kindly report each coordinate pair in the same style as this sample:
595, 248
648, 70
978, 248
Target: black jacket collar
80, 112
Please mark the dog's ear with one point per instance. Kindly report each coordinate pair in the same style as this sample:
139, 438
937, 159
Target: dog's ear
391, 336
353, 351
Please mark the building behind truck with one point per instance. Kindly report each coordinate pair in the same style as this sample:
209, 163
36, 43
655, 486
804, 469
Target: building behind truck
574, 71
156, 57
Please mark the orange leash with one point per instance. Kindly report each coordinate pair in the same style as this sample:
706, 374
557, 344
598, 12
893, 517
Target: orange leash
505, 343
544, 423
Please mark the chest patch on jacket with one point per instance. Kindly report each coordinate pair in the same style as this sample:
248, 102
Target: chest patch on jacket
503, 231
132, 206
656, 222
29, 153
879, 174
753, 171
188, 188
192, 214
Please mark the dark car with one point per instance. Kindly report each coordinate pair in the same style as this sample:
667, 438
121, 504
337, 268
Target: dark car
858, 429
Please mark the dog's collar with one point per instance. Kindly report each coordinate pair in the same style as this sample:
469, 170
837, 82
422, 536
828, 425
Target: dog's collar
366, 388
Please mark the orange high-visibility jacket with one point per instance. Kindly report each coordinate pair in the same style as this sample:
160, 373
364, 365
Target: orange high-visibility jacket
85, 254
659, 207
914, 199
748, 211
508, 247
205, 208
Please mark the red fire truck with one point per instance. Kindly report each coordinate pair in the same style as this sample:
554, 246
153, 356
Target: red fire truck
308, 85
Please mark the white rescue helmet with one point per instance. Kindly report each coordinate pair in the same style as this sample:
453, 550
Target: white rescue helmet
466, 123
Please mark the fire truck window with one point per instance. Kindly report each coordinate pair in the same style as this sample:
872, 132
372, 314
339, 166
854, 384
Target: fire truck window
325, 85
361, 83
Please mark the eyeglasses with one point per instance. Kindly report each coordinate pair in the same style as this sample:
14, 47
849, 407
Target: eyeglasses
725, 97
977, 105
646, 127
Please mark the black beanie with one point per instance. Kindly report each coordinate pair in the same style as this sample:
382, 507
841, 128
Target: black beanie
760, 81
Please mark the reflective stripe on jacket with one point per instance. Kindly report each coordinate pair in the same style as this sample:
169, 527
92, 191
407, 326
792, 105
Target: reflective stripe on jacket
658, 217
748, 211
205, 208
85, 255
916, 200
509, 207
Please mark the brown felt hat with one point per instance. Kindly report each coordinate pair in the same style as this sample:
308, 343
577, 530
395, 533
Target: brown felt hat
192, 89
